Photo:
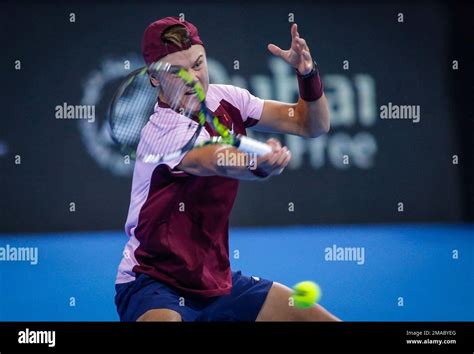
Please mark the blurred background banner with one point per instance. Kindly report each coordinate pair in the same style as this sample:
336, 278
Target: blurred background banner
396, 151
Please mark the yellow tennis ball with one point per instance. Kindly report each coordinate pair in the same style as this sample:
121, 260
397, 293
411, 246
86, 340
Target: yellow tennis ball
306, 294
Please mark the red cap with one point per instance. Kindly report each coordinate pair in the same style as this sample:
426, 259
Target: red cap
153, 48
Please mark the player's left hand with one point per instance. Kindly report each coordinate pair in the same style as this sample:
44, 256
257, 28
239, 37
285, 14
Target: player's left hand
276, 161
298, 55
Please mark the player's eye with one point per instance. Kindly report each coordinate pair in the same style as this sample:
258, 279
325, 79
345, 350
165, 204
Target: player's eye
197, 65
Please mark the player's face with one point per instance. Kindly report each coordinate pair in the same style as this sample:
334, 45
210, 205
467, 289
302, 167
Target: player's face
193, 60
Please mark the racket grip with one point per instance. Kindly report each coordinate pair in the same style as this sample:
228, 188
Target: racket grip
253, 146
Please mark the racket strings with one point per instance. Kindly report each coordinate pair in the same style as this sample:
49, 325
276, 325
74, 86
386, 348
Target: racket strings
153, 134
132, 111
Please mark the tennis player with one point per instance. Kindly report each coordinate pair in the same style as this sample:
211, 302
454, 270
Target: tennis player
176, 263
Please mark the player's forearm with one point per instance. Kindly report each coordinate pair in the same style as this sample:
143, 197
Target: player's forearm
217, 160
313, 117
230, 162
312, 108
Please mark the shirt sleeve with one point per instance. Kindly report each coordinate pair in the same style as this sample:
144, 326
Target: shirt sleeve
250, 106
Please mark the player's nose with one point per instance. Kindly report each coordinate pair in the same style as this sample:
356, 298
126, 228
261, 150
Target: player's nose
194, 75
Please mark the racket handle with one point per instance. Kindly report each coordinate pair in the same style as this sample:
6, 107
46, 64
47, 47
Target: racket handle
253, 146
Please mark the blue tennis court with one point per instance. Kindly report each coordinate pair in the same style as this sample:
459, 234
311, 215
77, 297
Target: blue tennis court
382, 273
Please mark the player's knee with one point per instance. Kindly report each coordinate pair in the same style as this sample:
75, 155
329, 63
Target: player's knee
158, 315
316, 313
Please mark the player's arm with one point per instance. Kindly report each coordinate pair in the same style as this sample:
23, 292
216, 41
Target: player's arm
227, 161
309, 117
306, 119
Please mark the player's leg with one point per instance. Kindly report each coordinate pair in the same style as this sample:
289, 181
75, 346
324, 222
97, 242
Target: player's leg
277, 308
159, 315
242, 304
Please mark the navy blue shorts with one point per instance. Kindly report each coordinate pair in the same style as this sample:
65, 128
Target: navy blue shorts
244, 302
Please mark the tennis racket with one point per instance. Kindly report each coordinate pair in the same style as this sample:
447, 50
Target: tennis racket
162, 135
